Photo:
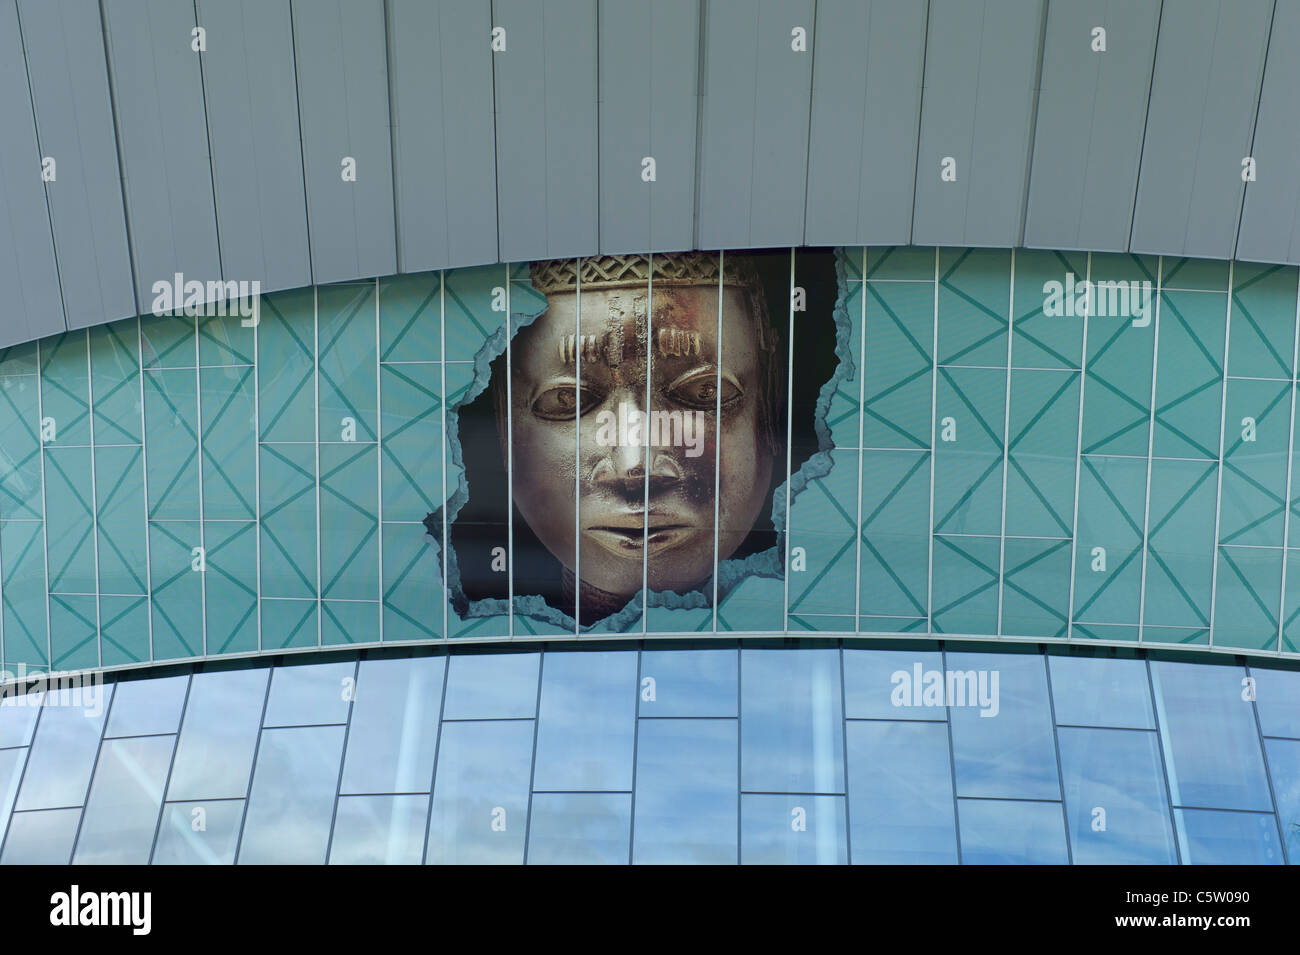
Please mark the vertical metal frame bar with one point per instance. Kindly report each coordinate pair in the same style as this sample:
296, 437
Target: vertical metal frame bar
929, 528
1223, 420
1078, 455
198, 456
1151, 439
94, 501
315, 360
1290, 467
646, 464
717, 442
577, 449
148, 520
45, 511
862, 460
789, 438
510, 471
379, 449
1006, 443
442, 366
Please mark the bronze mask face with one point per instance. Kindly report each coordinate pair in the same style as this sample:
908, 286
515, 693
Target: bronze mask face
621, 515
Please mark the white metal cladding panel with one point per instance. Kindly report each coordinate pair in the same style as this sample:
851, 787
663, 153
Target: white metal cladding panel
1204, 94
69, 80
444, 138
163, 140
648, 110
343, 101
26, 248
252, 113
1270, 222
866, 97
1091, 113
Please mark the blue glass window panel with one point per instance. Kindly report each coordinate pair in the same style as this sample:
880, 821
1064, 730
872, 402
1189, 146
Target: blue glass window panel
792, 738
18, 719
1011, 753
11, 771
379, 830
770, 833
1212, 751
1277, 697
199, 833
215, 753
690, 682
1284, 766
122, 811
492, 686
1004, 832
480, 793
686, 779
63, 752
588, 711
146, 707
1096, 691
309, 694
580, 828
41, 838
900, 786
1117, 771
292, 797
394, 731
1210, 837
869, 684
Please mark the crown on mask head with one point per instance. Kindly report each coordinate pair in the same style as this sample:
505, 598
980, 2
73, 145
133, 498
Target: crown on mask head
658, 271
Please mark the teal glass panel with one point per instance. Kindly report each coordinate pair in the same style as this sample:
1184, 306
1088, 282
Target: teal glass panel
899, 360
1046, 333
1247, 591
347, 356
1042, 453
168, 341
965, 584
289, 623
1180, 546
178, 621
968, 432
124, 630
115, 382
70, 523
414, 599
1261, 341
289, 520
73, 632
1189, 374
410, 317
229, 443
900, 263
1036, 587
349, 521
1197, 275
121, 529
842, 405
412, 440
231, 582
895, 538
1108, 544
229, 339
1256, 435
349, 621
20, 449
286, 350
822, 528
1121, 343
172, 443
974, 295
65, 388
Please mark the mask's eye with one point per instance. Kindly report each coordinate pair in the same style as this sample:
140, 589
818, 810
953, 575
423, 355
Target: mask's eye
561, 403
701, 391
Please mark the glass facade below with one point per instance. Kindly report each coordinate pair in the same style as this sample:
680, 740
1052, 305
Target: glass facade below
803, 752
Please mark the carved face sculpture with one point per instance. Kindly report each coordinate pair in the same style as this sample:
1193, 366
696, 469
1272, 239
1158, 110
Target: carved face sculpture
621, 514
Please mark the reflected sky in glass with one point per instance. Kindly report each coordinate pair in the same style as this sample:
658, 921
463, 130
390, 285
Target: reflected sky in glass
1115, 797
394, 728
62, 755
1284, 765
690, 682
292, 797
1212, 750
480, 793
686, 792
869, 684
792, 830
18, 719
11, 770
379, 830
900, 784
215, 753
1097, 691
1004, 832
1209, 837
584, 739
1277, 697
1010, 754
41, 838
580, 829
492, 686
146, 707
792, 734
122, 811
199, 833
309, 693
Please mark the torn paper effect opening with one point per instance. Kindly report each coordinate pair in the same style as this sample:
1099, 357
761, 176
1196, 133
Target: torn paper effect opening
620, 323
